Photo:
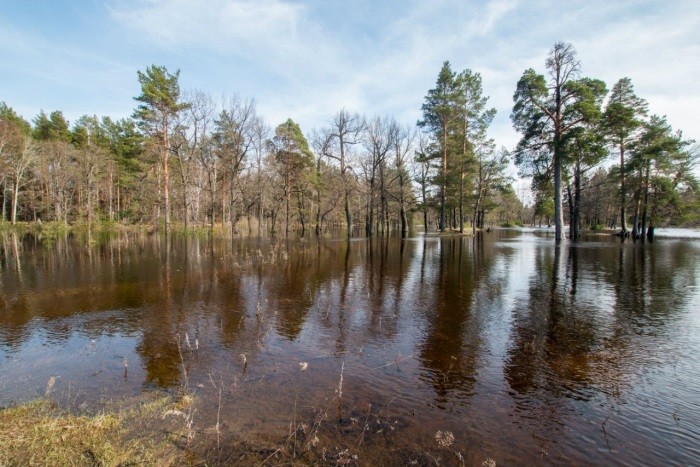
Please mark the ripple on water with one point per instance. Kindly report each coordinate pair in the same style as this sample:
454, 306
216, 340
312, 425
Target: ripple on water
588, 353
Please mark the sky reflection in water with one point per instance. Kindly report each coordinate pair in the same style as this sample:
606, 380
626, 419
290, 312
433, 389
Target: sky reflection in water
527, 352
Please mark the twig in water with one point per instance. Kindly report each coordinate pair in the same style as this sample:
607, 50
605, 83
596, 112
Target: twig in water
218, 411
339, 391
605, 433
182, 359
364, 428
398, 359
302, 367
270, 457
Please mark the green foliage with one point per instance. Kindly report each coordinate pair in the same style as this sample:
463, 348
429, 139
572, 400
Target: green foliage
159, 98
9, 117
662, 161
290, 139
293, 156
624, 112
441, 102
90, 131
99, 170
126, 143
51, 128
550, 115
509, 224
456, 118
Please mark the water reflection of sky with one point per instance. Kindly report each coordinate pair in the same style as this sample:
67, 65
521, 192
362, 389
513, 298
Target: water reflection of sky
516, 345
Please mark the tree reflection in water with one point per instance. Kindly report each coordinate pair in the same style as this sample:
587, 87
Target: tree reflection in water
513, 344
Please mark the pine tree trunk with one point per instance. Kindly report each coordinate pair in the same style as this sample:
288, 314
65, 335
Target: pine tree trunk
443, 190
646, 200
166, 179
558, 211
623, 192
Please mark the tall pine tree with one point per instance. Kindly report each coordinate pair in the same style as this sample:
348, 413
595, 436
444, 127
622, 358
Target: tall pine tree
159, 103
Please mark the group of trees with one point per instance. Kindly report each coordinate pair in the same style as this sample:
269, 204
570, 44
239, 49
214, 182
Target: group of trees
208, 163
470, 172
184, 155
568, 132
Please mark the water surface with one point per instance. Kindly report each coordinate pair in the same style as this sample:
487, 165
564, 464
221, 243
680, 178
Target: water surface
526, 352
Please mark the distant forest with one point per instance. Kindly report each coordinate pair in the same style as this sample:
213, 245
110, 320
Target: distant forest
594, 156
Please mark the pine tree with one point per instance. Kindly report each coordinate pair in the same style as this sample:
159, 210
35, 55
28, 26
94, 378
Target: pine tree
160, 102
545, 111
440, 112
622, 118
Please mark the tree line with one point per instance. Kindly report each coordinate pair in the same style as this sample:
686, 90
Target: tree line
183, 156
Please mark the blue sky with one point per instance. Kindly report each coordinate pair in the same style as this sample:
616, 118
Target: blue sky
307, 59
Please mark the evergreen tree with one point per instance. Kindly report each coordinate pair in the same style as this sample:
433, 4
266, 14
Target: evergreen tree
546, 110
475, 118
622, 118
653, 160
440, 112
159, 103
295, 162
584, 149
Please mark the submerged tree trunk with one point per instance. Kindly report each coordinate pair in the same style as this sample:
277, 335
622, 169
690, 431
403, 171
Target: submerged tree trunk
302, 221
461, 201
637, 210
369, 217
558, 211
477, 203
348, 214
383, 215
645, 210
577, 204
404, 221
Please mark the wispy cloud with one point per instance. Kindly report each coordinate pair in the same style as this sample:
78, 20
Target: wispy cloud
306, 59
271, 33
382, 70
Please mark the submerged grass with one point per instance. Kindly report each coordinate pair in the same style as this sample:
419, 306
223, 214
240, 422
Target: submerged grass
156, 429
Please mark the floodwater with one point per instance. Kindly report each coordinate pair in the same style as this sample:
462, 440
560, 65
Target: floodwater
524, 352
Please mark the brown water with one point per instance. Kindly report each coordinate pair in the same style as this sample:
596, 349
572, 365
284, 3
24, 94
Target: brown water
587, 353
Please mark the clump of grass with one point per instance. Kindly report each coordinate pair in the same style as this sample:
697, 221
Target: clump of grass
39, 433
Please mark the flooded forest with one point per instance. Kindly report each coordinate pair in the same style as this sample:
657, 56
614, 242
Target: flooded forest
505, 346
198, 287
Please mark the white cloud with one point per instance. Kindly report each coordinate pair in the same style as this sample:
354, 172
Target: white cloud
307, 59
272, 34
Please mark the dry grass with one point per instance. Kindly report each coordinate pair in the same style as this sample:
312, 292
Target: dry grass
39, 433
